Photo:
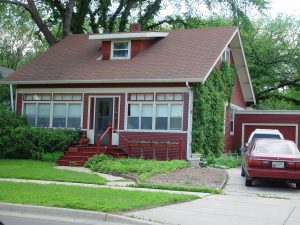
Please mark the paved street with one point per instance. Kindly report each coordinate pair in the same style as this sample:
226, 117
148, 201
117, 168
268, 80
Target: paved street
274, 204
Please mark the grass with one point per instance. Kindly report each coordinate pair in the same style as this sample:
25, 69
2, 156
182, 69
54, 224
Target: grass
37, 170
97, 199
223, 161
179, 188
139, 167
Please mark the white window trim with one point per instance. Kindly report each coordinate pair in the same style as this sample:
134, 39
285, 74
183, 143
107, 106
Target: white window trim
224, 54
154, 103
112, 50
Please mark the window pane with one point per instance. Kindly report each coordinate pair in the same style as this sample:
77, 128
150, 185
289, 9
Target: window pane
45, 97
133, 123
146, 117
132, 97
147, 110
175, 123
30, 112
121, 45
67, 97
134, 110
77, 97
37, 97
58, 97
140, 97
161, 123
149, 97
178, 97
59, 115
120, 53
74, 115
160, 97
28, 97
176, 110
43, 116
162, 110
169, 97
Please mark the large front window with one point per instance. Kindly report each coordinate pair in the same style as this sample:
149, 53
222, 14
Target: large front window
64, 111
164, 113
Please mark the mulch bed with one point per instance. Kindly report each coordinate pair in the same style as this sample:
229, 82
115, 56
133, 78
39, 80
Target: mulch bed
191, 177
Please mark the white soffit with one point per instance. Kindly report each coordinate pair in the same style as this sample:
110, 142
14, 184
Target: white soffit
139, 35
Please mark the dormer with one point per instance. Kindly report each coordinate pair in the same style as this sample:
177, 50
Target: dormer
124, 46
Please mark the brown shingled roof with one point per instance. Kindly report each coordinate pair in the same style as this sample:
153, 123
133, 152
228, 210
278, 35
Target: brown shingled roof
183, 54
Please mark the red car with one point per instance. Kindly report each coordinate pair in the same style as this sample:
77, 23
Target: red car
271, 159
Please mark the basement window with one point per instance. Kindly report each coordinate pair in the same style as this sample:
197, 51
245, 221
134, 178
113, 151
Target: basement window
120, 50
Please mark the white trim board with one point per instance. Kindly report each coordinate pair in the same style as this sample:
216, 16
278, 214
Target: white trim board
271, 124
271, 112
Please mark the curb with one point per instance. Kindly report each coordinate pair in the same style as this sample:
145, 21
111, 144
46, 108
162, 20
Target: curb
225, 181
71, 213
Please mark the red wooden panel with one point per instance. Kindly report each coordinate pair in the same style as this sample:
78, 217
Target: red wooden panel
106, 45
288, 132
237, 96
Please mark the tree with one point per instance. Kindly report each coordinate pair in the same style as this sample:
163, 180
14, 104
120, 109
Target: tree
56, 19
273, 50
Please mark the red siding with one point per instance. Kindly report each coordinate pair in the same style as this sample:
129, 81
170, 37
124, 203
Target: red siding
263, 118
106, 50
238, 97
19, 104
147, 152
138, 46
228, 138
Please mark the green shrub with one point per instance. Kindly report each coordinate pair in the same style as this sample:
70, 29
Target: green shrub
19, 140
223, 161
140, 167
51, 157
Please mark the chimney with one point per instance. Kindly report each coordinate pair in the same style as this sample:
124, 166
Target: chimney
135, 27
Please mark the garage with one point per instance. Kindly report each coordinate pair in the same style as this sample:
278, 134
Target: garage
246, 121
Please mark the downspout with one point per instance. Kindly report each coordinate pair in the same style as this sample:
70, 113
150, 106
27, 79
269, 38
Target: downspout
190, 122
11, 98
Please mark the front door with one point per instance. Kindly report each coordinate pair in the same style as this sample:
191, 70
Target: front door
103, 115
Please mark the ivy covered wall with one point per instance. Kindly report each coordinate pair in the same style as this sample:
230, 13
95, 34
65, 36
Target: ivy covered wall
208, 110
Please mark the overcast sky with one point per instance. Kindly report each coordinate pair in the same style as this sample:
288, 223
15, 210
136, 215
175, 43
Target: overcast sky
290, 7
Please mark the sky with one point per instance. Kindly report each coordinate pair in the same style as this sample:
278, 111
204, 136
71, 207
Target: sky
290, 7
287, 7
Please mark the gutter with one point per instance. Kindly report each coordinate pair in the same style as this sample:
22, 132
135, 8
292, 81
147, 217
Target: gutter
190, 122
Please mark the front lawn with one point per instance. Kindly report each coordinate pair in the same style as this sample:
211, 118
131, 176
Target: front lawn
138, 167
98, 199
37, 170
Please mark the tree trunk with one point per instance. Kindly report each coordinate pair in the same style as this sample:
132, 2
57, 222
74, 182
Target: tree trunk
68, 18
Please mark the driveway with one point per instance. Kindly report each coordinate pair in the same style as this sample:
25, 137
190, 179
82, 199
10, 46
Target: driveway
263, 204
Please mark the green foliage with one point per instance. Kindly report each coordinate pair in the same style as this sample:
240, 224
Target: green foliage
37, 170
51, 156
140, 167
19, 140
208, 110
179, 188
98, 199
223, 161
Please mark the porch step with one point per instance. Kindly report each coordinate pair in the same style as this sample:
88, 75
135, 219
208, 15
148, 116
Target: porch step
79, 155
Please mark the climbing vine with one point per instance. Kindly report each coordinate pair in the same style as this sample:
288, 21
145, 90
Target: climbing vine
208, 110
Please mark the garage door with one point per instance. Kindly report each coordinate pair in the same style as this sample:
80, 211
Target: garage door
289, 131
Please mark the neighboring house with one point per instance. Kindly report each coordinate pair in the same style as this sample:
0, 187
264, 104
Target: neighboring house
4, 72
140, 81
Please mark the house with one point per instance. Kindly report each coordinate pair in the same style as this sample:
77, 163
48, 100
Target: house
139, 81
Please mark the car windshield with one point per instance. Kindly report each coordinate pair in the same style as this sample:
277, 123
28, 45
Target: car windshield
275, 147
274, 136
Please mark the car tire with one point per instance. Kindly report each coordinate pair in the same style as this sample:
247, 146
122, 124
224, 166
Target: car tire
248, 181
298, 185
243, 172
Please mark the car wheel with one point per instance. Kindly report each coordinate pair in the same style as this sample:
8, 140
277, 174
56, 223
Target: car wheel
248, 181
298, 185
242, 172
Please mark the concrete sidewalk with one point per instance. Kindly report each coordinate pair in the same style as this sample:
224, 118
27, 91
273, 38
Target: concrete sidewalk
263, 204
